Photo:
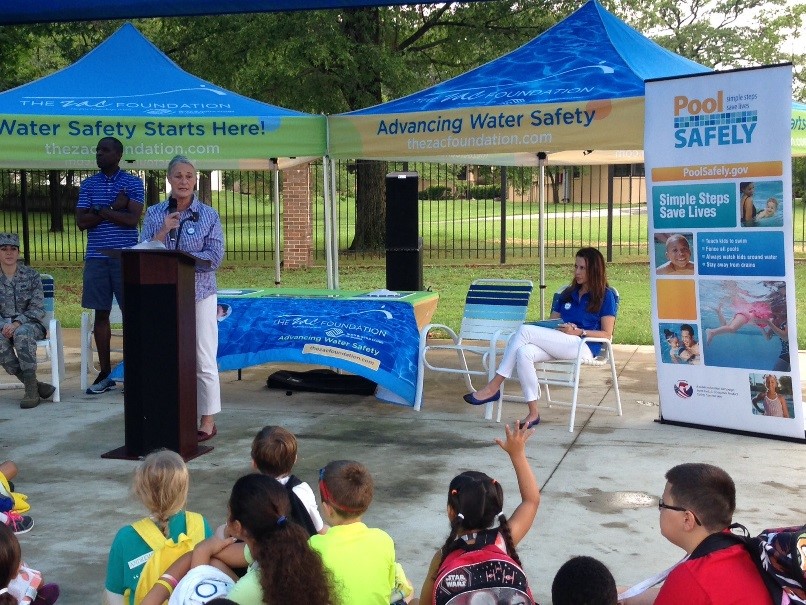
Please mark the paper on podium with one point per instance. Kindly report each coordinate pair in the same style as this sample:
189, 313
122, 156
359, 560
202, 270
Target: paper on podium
149, 245
383, 293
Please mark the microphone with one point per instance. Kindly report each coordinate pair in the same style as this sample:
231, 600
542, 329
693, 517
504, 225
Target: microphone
171, 210
194, 216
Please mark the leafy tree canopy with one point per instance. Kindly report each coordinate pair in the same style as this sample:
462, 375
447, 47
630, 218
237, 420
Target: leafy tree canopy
724, 34
338, 60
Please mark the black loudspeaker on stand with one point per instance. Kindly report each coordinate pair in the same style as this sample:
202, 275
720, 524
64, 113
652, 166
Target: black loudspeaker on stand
404, 247
404, 269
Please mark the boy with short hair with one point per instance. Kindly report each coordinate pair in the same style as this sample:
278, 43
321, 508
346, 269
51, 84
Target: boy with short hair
361, 559
274, 453
696, 510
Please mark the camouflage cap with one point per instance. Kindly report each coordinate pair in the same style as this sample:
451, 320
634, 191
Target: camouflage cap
9, 239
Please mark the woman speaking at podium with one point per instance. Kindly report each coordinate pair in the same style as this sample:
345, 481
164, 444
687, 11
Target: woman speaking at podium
183, 222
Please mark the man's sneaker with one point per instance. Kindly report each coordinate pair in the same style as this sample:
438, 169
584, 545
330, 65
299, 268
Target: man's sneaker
18, 523
102, 386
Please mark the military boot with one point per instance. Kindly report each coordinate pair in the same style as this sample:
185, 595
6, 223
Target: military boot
45, 390
31, 399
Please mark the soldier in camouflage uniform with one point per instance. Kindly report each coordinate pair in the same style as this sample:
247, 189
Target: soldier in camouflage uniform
22, 313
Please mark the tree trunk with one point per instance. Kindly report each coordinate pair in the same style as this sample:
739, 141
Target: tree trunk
205, 187
551, 173
363, 27
152, 188
370, 206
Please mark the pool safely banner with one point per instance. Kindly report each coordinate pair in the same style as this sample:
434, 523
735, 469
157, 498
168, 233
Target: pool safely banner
718, 166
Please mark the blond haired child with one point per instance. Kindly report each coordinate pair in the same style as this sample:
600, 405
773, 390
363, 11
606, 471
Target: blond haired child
161, 482
769, 210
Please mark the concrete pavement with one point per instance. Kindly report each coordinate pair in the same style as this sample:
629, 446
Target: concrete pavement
599, 485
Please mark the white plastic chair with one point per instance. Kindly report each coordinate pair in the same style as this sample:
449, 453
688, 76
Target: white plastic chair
566, 373
494, 308
49, 348
88, 350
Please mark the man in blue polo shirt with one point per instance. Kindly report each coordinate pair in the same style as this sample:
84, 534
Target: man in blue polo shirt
109, 207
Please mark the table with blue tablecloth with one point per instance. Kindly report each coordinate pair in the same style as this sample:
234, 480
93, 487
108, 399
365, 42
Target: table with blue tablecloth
371, 334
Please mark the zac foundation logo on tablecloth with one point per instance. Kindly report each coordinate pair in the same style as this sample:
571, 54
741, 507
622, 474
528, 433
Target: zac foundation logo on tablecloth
714, 121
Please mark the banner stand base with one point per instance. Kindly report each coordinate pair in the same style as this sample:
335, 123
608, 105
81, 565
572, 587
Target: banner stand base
720, 429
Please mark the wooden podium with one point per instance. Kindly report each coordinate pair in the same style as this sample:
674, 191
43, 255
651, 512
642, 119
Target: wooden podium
159, 351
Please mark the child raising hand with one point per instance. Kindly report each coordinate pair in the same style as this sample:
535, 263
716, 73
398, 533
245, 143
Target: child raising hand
475, 501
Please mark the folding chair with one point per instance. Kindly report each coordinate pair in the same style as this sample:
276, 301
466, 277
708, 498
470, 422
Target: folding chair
49, 348
566, 373
88, 349
494, 308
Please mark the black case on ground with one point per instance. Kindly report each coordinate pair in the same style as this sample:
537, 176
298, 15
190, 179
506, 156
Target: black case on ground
321, 381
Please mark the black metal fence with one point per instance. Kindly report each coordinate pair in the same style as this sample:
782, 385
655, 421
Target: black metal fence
466, 215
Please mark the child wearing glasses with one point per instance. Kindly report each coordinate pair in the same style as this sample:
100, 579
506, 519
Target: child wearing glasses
696, 510
360, 558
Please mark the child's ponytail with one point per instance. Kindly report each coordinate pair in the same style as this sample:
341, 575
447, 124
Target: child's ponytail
503, 527
161, 482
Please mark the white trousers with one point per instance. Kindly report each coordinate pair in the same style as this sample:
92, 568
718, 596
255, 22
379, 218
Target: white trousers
208, 389
533, 344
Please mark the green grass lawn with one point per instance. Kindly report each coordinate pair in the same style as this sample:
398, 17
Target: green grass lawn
631, 278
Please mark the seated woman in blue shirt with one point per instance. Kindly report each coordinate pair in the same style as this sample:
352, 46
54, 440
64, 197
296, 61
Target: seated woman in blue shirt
588, 308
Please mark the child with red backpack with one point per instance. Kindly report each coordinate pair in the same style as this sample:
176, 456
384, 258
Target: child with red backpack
143, 550
478, 558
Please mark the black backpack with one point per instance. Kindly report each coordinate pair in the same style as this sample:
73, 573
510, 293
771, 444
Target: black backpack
298, 511
780, 556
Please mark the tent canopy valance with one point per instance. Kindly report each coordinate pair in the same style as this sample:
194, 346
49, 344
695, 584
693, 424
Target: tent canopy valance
127, 88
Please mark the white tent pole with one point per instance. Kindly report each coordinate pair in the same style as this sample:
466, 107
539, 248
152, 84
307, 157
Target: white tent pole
541, 230
334, 212
276, 192
328, 222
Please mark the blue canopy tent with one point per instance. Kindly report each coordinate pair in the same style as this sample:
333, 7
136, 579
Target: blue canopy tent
157, 110
577, 87
154, 107
573, 95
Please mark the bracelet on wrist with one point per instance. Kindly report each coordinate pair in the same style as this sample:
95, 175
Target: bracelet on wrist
170, 579
165, 585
